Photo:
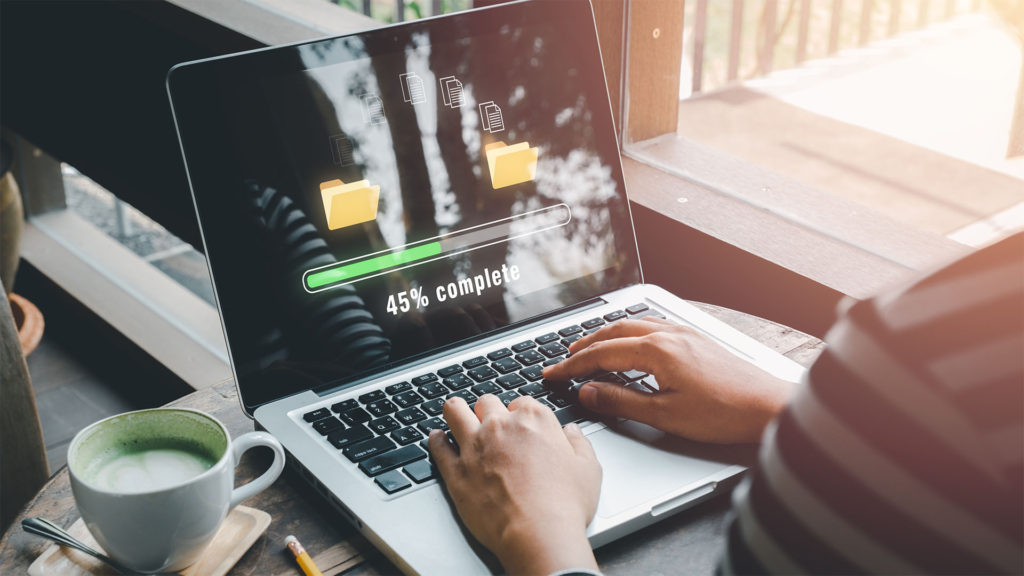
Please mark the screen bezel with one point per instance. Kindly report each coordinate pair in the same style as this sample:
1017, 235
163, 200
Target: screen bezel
189, 84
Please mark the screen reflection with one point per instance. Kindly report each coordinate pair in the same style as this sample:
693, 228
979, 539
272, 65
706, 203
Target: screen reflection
412, 190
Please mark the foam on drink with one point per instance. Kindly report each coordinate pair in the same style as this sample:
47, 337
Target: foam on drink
148, 470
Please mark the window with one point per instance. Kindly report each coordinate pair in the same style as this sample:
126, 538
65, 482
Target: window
874, 134
841, 145
146, 239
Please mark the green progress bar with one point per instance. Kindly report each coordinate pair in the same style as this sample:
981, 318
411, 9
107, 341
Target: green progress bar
364, 267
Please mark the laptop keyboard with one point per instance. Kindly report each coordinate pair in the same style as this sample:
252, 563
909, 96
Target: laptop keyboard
384, 432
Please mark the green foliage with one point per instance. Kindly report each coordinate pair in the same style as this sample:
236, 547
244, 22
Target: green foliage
415, 8
384, 10
348, 4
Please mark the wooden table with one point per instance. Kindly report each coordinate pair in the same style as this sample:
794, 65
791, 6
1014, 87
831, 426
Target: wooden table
687, 543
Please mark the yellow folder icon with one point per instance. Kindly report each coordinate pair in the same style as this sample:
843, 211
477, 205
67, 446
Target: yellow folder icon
348, 204
511, 164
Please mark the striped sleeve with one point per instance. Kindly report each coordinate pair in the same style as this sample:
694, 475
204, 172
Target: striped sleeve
903, 450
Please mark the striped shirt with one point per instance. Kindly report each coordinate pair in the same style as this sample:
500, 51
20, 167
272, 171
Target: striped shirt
903, 450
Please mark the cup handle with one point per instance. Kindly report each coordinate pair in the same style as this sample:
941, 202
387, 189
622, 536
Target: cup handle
251, 440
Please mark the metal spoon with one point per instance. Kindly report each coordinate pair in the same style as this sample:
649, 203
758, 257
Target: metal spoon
43, 527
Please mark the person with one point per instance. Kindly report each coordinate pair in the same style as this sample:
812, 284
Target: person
901, 451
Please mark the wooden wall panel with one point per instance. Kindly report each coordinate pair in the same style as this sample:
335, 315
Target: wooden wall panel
654, 55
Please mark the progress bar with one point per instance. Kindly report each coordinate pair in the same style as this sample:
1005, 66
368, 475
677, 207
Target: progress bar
443, 246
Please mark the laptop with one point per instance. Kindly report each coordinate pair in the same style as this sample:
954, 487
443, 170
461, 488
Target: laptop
420, 211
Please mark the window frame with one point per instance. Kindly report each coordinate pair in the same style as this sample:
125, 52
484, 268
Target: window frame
695, 189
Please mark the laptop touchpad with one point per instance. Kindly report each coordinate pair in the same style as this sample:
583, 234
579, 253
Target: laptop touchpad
642, 465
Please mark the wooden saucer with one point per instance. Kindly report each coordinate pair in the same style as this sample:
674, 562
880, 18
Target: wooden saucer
240, 530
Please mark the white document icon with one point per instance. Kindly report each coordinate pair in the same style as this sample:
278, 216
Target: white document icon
341, 150
412, 88
490, 117
451, 92
373, 109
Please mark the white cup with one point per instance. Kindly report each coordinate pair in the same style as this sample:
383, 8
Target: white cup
164, 526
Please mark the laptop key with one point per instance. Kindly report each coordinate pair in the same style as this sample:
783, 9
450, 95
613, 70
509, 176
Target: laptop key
558, 400
529, 357
507, 397
423, 379
570, 330
489, 387
367, 448
556, 386
592, 323
381, 407
553, 349
449, 370
392, 481
433, 407
570, 414
466, 395
384, 425
398, 388
343, 438
631, 375
429, 424
407, 399
544, 402
637, 308
433, 390
569, 340
474, 362
499, 354
372, 396
345, 405
356, 416
510, 381
457, 382
534, 389
406, 435
482, 373
410, 416
506, 365
391, 460
533, 373
327, 425
318, 414
615, 316
614, 379
525, 345
421, 471
544, 339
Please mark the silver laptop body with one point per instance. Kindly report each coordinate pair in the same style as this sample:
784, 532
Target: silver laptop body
322, 269
648, 475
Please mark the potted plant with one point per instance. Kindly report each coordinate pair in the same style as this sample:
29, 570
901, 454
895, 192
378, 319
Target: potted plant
28, 319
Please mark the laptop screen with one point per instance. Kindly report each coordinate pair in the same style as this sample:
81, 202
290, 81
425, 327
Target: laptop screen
369, 199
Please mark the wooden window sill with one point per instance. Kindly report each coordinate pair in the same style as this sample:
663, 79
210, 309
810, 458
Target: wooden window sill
826, 239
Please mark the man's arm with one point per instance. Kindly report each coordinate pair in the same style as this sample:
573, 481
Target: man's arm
903, 450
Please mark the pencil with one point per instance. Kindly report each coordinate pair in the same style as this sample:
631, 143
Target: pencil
305, 562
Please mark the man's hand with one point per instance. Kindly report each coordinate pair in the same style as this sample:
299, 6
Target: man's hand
705, 392
525, 487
